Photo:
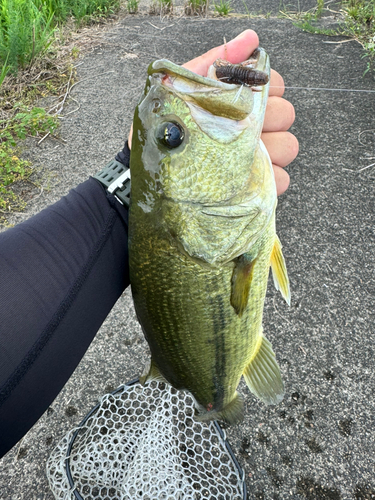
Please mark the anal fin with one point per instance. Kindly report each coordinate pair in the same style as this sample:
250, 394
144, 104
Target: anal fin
263, 376
279, 272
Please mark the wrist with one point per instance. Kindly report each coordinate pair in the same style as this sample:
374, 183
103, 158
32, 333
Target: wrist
115, 176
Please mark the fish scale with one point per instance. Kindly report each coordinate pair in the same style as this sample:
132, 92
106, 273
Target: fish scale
188, 324
187, 329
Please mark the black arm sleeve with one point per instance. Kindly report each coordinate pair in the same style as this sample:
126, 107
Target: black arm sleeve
61, 272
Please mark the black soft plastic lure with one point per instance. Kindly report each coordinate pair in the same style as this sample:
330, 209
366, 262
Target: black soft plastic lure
239, 74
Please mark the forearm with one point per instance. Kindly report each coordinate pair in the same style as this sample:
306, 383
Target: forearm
61, 273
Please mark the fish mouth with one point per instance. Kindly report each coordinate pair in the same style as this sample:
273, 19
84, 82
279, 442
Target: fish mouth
173, 70
240, 91
258, 62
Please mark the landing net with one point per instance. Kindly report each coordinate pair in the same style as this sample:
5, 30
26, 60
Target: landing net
142, 442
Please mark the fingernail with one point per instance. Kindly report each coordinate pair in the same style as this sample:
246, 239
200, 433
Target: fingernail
241, 35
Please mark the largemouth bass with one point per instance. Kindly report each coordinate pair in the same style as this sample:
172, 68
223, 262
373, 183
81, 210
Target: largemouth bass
202, 234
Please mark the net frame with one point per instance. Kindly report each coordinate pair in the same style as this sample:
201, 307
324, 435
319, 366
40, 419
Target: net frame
213, 427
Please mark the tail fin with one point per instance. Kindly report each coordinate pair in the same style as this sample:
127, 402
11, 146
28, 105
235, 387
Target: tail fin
263, 376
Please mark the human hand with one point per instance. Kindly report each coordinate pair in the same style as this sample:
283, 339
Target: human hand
282, 146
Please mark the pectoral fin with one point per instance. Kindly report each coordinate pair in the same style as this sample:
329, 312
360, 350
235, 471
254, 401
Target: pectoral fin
279, 272
241, 281
263, 376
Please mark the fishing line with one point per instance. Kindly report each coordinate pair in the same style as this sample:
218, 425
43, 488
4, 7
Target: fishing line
322, 88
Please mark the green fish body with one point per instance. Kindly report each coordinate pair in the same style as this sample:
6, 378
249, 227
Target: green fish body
202, 237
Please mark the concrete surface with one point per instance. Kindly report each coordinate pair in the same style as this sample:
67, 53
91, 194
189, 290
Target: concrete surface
319, 443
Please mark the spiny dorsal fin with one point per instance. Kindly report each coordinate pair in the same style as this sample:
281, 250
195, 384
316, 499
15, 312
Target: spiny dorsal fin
241, 281
279, 272
263, 377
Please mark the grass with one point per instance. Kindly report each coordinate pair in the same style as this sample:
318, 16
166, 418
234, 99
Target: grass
360, 25
12, 169
132, 6
194, 7
26, 121
4, 71
223, 8
162, 7
26, 32
27, 27
356, 21
34, 64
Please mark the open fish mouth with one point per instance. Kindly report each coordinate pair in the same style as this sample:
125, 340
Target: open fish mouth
229, 90
253, 72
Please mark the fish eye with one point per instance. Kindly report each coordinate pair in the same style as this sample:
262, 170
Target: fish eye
171, 134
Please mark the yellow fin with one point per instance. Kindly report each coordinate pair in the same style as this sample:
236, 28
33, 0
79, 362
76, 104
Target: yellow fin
263, 377
279, 272
241, 281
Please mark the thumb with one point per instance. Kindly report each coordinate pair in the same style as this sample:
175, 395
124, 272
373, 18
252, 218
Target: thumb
237, 50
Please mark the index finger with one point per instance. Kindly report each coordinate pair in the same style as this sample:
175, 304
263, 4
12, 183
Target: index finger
237, 50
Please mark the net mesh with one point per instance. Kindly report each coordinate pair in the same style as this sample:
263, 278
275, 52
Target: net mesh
142, 442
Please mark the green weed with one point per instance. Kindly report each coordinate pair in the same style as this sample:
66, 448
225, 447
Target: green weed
75, 52
167, 5
132, 6
12, 169
319, 8
4, 71
27, 27
30, 31
161, 7
369, 48
35, 121
25, 32
357, 21
223, 8
193, 7
27, 122
316, 30
80, 9
247, 10
84, 11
